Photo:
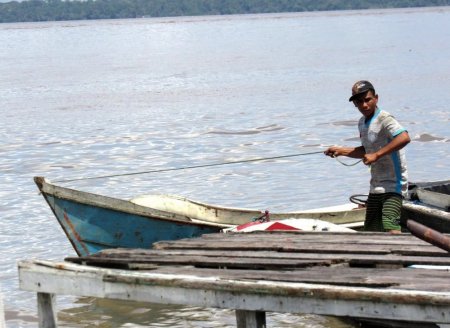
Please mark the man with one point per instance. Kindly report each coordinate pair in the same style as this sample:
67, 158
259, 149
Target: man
382, 139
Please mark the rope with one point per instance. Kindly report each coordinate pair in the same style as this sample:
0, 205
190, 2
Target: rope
359, 201
190, 167
352, 164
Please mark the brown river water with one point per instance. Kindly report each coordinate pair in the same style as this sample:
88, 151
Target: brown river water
91, 98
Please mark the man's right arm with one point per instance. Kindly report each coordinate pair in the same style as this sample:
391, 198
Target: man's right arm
353, 152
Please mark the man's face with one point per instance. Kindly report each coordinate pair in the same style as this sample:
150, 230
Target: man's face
366, 103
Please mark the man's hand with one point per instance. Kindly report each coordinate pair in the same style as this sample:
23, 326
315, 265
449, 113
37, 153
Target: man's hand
354, 152
333, 151
370, 158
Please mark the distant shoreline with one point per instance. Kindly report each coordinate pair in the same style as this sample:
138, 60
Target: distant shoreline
59, 10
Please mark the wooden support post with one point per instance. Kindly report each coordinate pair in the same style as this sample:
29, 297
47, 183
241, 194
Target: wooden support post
2, 312
250, 319
46, 310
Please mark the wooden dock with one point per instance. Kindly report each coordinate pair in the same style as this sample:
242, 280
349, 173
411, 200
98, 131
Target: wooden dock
359, 275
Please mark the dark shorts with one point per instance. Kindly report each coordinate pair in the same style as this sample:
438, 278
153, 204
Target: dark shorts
383, 212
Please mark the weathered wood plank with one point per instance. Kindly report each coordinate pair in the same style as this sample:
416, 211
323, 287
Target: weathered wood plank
216, 262
417, 279
2, 311
354, 259
358, 275
331, 248
250, 319
261, 263
46, 310
300, 236
300, 245
396, 304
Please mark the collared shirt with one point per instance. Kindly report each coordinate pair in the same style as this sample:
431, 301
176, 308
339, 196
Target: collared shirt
389, 173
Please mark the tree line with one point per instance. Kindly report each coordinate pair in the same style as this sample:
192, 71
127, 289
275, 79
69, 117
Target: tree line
55, 10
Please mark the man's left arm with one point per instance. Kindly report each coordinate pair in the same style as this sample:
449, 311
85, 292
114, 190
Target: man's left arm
399, 141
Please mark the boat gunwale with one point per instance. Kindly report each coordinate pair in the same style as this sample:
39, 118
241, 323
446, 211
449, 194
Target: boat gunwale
250, 210
234, 216
116, 204
426, 209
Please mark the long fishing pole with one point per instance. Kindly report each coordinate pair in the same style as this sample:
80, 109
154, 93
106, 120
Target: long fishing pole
203, 165
191, 167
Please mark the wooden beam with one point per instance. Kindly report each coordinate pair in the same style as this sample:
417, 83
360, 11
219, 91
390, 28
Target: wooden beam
2, 312
250, 319
46, 310
283, 297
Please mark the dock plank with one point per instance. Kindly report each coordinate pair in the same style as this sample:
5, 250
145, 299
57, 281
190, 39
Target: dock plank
353, 259
411, 279
366, 275
203, 261
367, 243
371, 260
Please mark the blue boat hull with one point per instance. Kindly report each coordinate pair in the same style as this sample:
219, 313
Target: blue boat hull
93, 222
91, 229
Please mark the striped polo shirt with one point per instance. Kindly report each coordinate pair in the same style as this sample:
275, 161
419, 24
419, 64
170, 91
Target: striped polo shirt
389, 173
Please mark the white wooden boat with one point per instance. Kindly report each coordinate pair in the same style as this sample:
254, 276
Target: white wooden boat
341, 214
